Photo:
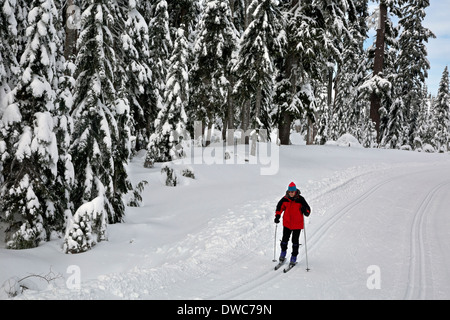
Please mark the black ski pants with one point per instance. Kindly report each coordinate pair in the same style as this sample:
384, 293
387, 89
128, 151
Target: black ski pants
295, 240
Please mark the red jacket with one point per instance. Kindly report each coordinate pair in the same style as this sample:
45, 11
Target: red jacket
294, 208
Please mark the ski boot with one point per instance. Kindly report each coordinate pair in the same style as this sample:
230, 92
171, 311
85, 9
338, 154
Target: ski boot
282, 257
281, 260
293, 261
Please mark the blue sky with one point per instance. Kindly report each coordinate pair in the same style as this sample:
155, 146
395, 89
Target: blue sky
438, 21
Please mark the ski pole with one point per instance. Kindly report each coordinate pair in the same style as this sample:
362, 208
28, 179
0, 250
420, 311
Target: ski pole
306, 250
275, 244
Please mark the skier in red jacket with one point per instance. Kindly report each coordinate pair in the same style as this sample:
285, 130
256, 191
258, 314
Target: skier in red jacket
294, 207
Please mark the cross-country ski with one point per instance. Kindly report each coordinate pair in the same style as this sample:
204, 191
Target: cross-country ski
289, 267
279, 265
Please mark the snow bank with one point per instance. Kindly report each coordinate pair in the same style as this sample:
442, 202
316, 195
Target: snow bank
346, 140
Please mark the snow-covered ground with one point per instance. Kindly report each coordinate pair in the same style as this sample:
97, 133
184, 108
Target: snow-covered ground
379, 229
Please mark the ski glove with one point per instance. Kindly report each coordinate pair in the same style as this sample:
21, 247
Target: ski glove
277, 218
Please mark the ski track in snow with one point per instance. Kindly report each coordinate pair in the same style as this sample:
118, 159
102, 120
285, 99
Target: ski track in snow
320, 233
240, 242
417, 287
420, 285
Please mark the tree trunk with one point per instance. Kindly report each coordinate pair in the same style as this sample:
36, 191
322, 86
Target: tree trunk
258, 101
228, 133
71, 24
284, 127
375, 101
286, 118
311, 132
245, 118
285, 121
330, 87
246, 105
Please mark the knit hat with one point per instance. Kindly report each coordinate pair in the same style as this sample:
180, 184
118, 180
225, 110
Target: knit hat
292, 187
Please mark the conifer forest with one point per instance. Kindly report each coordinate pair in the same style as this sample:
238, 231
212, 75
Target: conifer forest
85, 84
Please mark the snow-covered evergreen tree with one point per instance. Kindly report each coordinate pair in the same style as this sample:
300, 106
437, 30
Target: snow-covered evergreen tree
381, 84
22, 8
161, 48
63, 131
210, 75
165, 143
262, 42
100, 146
8, 61
315, 32
351, 73
423, 135
184, 13
361, 125
29, 149
129, 50
138, 72
441, 114
412, 69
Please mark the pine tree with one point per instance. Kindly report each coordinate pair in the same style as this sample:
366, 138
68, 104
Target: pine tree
315, 30
423, 136
379, 53
412, 66
294, 69
361, 125
138, 72
408, 73
161, 48
263, 41
65, 179
211, 74
339, 43
351, 73
22, 8
379, 85
127, 86
441, 114
183, 13
165, 143
63, 128
8, 61
100, 146
29, 151
363, 128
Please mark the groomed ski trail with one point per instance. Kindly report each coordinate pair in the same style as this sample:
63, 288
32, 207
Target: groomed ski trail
259, 282
420, 281
230, 255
